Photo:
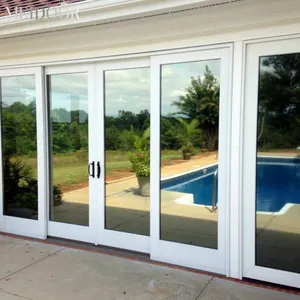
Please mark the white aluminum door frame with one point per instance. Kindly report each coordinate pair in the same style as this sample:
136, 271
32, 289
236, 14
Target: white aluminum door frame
22, 226
66, 230
253, 53
104, 236
181, 254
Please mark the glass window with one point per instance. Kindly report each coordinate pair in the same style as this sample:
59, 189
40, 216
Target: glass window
68, 131
127, 150
19, 146
278, 163
189, 152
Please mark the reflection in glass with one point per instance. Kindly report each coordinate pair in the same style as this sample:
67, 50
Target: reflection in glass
19, 146
189, 143
127, 150
68, 131
278, 164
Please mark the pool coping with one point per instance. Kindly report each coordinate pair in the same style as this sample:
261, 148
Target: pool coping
188, 172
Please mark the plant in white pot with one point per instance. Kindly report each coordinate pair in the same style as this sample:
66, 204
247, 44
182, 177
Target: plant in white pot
141, 165
140, 160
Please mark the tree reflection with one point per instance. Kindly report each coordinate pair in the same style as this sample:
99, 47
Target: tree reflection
279, 102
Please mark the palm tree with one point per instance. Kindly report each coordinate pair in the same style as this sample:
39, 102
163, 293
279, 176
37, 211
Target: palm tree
143, 142
190, 131
201, 102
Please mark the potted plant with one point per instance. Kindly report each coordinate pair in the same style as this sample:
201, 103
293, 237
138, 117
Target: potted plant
140, 161
187, 151
189, 133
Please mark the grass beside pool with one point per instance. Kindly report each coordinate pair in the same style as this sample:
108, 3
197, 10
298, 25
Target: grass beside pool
71, 169
171, 154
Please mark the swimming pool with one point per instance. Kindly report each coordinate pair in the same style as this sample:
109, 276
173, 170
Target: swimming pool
278, 183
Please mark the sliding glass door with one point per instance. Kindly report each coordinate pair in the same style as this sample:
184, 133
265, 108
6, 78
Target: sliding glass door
23, 181
70, 115
189, 157
124, 135
271, 163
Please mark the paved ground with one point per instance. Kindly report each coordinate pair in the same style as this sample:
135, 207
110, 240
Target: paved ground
278, 240
31, 270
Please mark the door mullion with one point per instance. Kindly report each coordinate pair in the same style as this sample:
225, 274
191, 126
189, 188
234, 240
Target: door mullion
97, 150
43, 186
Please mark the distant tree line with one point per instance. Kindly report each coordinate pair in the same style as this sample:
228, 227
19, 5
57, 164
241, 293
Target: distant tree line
69, 130
278, 124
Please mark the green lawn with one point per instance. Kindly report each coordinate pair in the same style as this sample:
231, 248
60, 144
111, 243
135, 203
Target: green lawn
171, 154
72, 168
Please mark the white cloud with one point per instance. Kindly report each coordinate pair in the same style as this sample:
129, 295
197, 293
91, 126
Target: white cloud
124, 89
18, 89
74, 84
127, 90
177, 93
120, 100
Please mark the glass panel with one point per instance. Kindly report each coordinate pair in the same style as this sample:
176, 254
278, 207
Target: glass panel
189, 145
278, 163
127, 150
19, 146
68, 131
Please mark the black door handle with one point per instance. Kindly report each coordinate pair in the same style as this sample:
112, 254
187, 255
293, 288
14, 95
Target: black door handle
98, 169
91, 169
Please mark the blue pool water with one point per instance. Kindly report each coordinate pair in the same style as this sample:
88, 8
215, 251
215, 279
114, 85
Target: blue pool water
278, 183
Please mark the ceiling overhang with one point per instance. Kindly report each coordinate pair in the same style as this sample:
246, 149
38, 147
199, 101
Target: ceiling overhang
91, 12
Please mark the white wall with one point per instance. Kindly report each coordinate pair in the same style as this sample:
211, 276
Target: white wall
231, 22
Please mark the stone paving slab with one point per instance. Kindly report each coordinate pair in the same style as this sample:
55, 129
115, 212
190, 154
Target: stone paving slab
77, 274
16, 254
6, 296
219, 289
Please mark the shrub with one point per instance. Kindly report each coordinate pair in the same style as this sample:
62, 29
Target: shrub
21, 187
57, 195
26, 199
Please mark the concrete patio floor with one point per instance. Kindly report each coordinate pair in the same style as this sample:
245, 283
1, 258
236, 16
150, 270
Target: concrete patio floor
33, 270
